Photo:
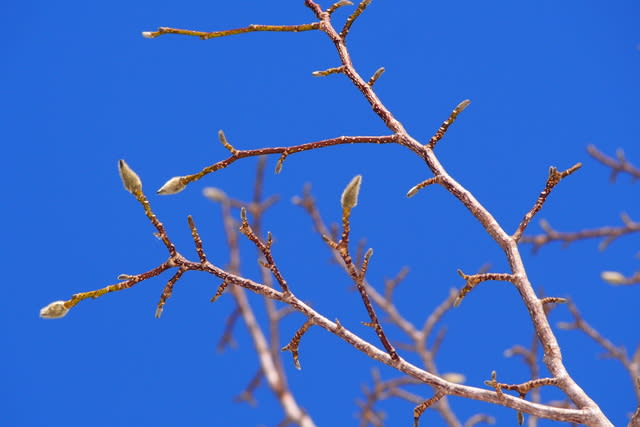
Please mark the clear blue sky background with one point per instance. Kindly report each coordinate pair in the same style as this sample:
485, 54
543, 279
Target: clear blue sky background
81, 89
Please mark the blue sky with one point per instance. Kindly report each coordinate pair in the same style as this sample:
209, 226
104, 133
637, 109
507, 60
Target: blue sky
82, 89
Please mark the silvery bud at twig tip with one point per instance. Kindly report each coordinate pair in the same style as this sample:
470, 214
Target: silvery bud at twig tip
147, 34
55, 310
368, 254
130, 179
214, 194
349, 197
413, 191
464, 104
173, 186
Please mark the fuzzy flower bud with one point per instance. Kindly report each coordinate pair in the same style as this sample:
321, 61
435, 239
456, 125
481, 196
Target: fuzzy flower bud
173, 186
55, 310
454, 377
349, 197
464, 104
130, 179
214, 194
147, 34
613, 277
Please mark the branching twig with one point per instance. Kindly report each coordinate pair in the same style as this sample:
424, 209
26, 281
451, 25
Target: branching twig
247, 393
552, 181
295, 342
588, 412
617, 166
265, 248
608, 233
419, 410
632, 365
348, 201
474, 279
287, 151
418, 337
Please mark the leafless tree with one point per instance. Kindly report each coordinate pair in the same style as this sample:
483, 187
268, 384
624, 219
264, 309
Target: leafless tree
423, 340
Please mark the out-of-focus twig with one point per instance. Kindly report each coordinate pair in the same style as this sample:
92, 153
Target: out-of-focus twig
618, 165
609, 234
631, 364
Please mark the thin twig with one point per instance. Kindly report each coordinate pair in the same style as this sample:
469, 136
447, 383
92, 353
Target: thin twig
617, 166
474, 279
295, 342
197, 240
445, 125
241, 154
247, 394
352, 18
554, 178
612, 351
206, 35
609, 234
336, 5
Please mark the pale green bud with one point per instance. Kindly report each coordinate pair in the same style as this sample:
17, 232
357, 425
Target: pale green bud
349, 197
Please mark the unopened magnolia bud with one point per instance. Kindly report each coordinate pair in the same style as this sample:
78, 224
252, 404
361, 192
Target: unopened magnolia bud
147, 34
464, 104
613, 277
173, 186
454, 377
280, 163
349, 197
130, 179
55, 310
214, 194
412, 192
225, 142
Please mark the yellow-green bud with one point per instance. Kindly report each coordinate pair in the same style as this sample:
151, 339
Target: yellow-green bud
349, 197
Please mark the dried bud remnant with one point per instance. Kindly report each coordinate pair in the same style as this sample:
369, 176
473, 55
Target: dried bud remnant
173, 186
349, 197
55, 310
130, 179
